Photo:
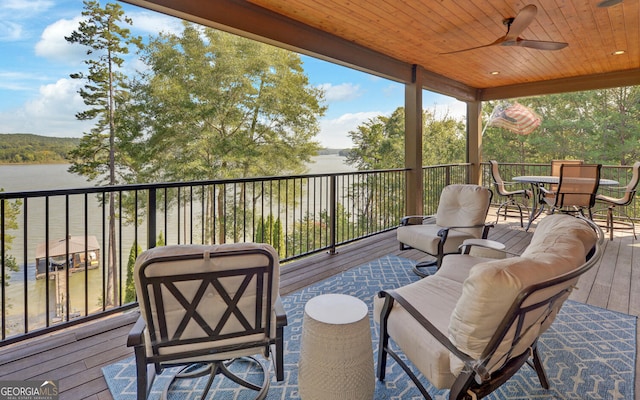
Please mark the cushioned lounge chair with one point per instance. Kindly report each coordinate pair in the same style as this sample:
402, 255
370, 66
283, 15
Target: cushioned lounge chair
461, 215
206, 307
475, 322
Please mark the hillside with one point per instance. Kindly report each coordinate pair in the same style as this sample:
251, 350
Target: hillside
25, 148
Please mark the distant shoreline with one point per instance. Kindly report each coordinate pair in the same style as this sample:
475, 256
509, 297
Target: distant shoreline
36, 163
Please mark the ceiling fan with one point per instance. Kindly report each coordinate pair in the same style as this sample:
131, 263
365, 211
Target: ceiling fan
515, 26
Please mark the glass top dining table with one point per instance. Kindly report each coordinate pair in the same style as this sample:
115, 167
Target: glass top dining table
539, 180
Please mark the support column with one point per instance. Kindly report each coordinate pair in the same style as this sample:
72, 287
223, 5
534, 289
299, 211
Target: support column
413, 142
474, 141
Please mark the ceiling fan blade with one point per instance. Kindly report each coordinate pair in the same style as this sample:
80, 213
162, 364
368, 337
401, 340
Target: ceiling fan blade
537, 44
497, 42
608, 3
521, 22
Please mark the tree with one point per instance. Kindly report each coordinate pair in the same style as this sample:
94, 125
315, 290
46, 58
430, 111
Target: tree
130, 287
601, 126
379, 144
11, 210
269, 230
221, 106
106, 42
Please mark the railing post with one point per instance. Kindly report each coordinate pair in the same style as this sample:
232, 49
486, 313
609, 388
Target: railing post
332, 214
2, 270
151, 219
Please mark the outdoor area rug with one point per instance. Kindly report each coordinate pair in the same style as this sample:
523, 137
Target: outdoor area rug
588, 353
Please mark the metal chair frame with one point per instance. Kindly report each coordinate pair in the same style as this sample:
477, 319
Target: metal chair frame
474, 382
577, 189
500, 186
442, 234
620, 202
257, 321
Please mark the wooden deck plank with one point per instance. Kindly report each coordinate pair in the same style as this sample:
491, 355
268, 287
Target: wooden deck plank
599, 295
619, 295
75, 356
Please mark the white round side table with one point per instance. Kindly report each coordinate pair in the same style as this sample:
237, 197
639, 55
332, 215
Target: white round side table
336, 354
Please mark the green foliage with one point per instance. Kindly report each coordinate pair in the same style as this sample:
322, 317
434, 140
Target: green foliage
102, 153
599, 126
269, 230
23, 148
130, 289
11, 213
220, 106
214, 105
379, 142
107, 43
310, 233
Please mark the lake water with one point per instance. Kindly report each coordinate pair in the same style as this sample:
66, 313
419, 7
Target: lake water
55, 176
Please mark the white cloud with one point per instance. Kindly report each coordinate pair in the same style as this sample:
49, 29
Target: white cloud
455, 109
154, 23
13, 80
53, 46
341, 92
10, 31
26, 5
14, 13
52, 113
334, 133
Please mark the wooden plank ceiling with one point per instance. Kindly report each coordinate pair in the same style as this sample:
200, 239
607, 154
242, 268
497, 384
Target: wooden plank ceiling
419, 32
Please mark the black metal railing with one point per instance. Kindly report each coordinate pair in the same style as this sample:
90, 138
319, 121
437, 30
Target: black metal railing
436, 177
58, 282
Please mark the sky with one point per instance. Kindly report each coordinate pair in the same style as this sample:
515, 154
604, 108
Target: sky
38, 96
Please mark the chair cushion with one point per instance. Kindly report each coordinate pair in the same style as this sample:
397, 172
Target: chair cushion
425, 352
559, 245
463, 205
211, 307
457, 266
425, 237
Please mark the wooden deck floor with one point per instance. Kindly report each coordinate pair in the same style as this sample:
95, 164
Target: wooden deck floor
75, 356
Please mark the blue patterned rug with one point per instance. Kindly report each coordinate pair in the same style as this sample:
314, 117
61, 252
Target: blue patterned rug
588, 353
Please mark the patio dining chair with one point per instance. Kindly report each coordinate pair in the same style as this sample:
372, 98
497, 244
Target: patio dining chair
461, 215
618, 203
577, 189
501, 188
206, 307
555, 169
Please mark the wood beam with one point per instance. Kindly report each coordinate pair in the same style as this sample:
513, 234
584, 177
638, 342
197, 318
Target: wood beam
248, 20
588, 82
254, 22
